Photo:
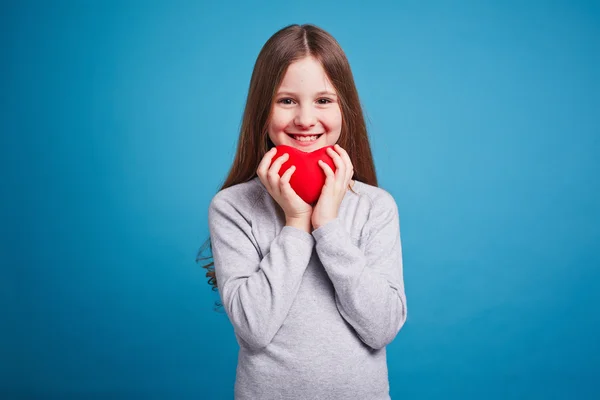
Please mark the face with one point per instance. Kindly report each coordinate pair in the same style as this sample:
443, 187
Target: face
306, 113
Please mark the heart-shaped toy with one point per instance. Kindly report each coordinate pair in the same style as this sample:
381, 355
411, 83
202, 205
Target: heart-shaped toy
308, 178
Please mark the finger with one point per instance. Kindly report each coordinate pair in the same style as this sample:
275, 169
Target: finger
340, 173
287, 175
263, 166
277, 163
273, 173
284, 182
286, 188
329, 175
344, 155
337, 160
347, 161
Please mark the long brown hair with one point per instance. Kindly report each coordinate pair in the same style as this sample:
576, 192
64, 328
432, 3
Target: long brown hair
287, 45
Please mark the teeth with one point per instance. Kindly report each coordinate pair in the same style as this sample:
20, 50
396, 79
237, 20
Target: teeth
305, 138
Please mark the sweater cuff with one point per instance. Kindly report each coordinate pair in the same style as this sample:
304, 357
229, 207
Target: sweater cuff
298, 234
329, 229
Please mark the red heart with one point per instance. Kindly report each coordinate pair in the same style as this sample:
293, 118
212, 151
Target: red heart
308, 178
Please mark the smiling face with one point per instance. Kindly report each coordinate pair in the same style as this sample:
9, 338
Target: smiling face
306, 113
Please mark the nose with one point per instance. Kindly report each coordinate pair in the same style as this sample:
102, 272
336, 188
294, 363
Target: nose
305, 117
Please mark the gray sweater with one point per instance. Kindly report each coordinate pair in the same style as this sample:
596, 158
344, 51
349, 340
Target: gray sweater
312, 312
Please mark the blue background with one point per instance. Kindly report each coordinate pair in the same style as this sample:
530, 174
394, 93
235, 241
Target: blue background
120, 121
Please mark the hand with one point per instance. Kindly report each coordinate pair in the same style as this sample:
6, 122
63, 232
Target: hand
297, 211
335, 187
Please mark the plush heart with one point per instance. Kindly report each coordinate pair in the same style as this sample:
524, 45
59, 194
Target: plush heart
308, 178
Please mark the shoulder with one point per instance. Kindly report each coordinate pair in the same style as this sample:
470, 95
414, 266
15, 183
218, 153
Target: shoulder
379, 209
238, 198
379, 200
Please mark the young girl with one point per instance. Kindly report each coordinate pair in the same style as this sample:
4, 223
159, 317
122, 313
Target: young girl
314, 292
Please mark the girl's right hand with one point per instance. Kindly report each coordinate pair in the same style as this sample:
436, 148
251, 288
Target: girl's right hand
280, 189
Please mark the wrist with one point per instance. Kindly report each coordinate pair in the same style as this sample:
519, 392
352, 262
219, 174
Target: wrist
321, 222
299, 223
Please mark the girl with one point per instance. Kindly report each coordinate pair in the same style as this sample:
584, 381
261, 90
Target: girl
314, 292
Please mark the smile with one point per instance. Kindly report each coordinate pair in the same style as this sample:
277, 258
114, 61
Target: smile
305, 138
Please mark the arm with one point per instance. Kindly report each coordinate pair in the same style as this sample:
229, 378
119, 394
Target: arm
257, 293
369, 286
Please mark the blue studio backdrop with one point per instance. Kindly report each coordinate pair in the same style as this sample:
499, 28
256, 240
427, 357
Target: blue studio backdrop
119, 124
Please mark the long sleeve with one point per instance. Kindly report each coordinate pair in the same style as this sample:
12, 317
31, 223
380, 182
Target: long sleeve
369, 286
257, 293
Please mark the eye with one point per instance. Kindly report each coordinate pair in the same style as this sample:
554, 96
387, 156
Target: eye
324, 101
286, 101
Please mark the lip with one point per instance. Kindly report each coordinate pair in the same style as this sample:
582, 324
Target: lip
304, 134
304, 144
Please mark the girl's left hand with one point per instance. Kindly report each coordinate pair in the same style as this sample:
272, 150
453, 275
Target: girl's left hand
335, 187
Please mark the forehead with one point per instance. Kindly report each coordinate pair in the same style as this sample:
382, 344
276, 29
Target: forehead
306, 74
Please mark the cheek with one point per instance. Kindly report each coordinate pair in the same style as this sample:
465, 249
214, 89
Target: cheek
332, 119
279, 120
278, 125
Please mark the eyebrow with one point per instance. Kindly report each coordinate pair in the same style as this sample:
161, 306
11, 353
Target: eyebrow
321, 93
